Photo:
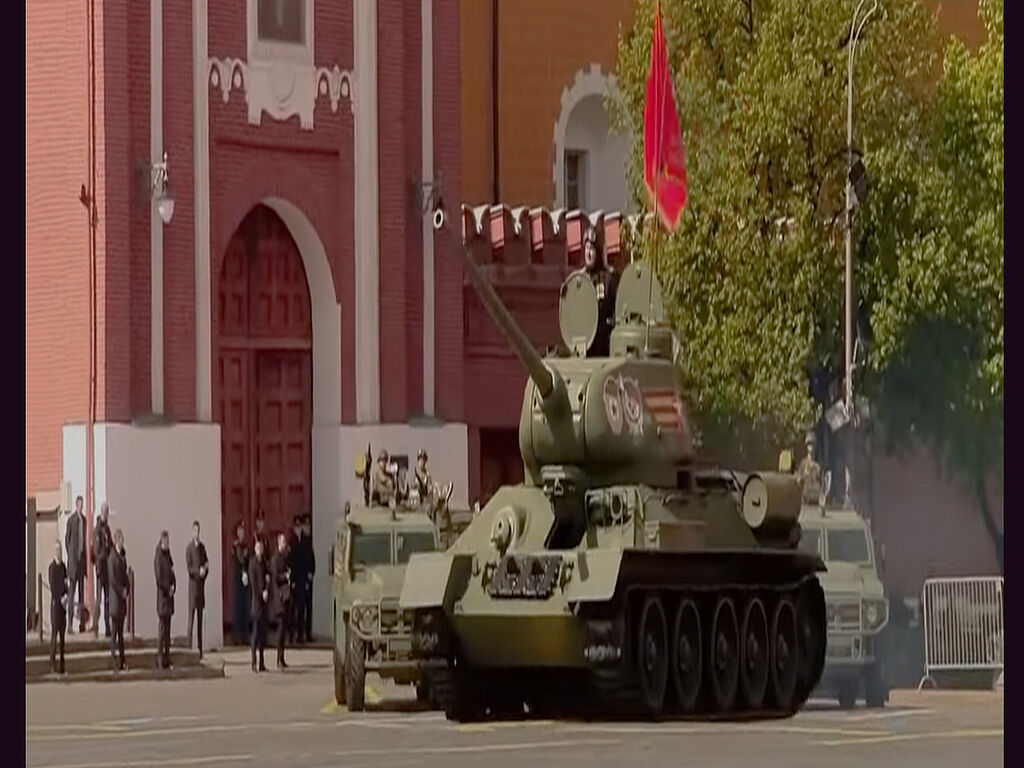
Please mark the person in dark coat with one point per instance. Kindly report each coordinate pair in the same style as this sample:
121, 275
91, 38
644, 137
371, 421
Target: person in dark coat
58, 607
117, 579
261, 534
280, 577
310, 561
296, 564
259, 590
198, 566
240, 585
163, 567
75, 545
102, 543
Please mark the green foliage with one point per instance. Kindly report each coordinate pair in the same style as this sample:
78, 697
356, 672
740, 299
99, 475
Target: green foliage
754, 275
933, 245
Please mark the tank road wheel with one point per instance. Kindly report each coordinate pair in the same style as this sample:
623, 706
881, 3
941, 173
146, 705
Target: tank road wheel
754, 655
724, 655
652, 656
686, 655
810, 616
784, 659
355, 672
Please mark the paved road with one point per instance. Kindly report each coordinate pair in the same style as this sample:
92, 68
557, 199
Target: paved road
290, 718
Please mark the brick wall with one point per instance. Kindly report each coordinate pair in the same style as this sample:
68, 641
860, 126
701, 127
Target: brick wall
56, 233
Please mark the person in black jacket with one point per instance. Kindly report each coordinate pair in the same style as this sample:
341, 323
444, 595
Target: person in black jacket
163, 567
280, 577
58, 607
306, 541
75, 544
240, 581
117, 579
259, 587
102, 543
296, 619
198, 565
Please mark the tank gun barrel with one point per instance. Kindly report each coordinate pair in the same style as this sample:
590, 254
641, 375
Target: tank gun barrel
533, 362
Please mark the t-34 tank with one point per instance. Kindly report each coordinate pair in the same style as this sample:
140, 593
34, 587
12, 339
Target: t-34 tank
624, 575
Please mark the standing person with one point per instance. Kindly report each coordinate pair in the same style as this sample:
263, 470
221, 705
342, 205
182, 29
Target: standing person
259, 587
117, 580
297, 566
260, 534
809, 472
75, 544
310, 562
280, 578
240, 583
102, 543
198, 566
163, 567
58, 607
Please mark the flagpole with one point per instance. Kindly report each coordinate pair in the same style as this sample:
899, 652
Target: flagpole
657, 183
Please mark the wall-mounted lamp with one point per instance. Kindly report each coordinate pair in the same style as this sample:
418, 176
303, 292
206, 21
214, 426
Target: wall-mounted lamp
427, 196
154, 179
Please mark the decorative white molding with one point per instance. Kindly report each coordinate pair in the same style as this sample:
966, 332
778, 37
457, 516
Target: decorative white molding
280, 88
156, 226
427, 131
201, 156
586, 82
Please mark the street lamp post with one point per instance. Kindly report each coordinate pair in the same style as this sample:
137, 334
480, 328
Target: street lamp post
855, 30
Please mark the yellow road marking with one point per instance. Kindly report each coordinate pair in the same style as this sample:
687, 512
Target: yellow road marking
480, 727
330, 707
371, 695
173, 761
149, 733
476, 748
965, 734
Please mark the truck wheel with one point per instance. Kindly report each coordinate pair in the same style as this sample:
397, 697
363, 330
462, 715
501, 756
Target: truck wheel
848, 694
876, 691
355, 672
339, 678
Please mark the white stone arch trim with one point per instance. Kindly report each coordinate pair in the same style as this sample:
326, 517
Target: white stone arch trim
324, 308
588, 81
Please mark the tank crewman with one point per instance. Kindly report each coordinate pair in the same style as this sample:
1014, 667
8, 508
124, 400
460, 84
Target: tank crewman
280, 579
259, 590
117, 579
809, 472
306, 541
297, 567
102, 543
198, 566
383, 481
58, 607
163, 569
423, 481
606, 281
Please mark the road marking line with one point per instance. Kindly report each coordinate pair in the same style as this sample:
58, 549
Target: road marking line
719, 728
157, 732
964, 734
885, 715
482, 727
84, 727
419, 750
172, 761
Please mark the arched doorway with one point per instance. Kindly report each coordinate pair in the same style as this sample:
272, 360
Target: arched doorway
264, 375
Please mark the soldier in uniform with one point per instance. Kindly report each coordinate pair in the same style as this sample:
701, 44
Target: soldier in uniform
383, 482
423, 480
280, 578
163, 568
809, 472
198, 566
102, 543
58, 607
117, 580
606, 281
259, 589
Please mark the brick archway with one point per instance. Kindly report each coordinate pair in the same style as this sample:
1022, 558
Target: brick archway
264, 379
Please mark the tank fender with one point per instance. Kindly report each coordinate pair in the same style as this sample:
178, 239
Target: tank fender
595, 575
434, 580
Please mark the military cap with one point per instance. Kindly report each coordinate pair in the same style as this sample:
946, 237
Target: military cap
422, 454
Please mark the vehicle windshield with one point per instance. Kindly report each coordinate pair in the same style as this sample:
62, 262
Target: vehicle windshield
848, 546
407, 544
371, 549
809, 540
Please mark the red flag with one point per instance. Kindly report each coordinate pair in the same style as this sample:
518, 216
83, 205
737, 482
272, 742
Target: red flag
664, 166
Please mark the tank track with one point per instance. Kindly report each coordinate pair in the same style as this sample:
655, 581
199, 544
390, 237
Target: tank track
612, 683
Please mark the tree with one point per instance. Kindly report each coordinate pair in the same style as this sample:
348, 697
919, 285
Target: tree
753, 277
933, 253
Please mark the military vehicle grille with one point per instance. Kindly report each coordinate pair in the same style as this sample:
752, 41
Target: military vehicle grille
525, 576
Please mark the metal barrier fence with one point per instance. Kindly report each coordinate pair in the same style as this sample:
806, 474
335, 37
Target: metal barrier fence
963, 625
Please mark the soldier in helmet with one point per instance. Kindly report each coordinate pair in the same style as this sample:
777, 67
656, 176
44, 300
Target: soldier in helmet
605, 281
809, 471
383, 482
